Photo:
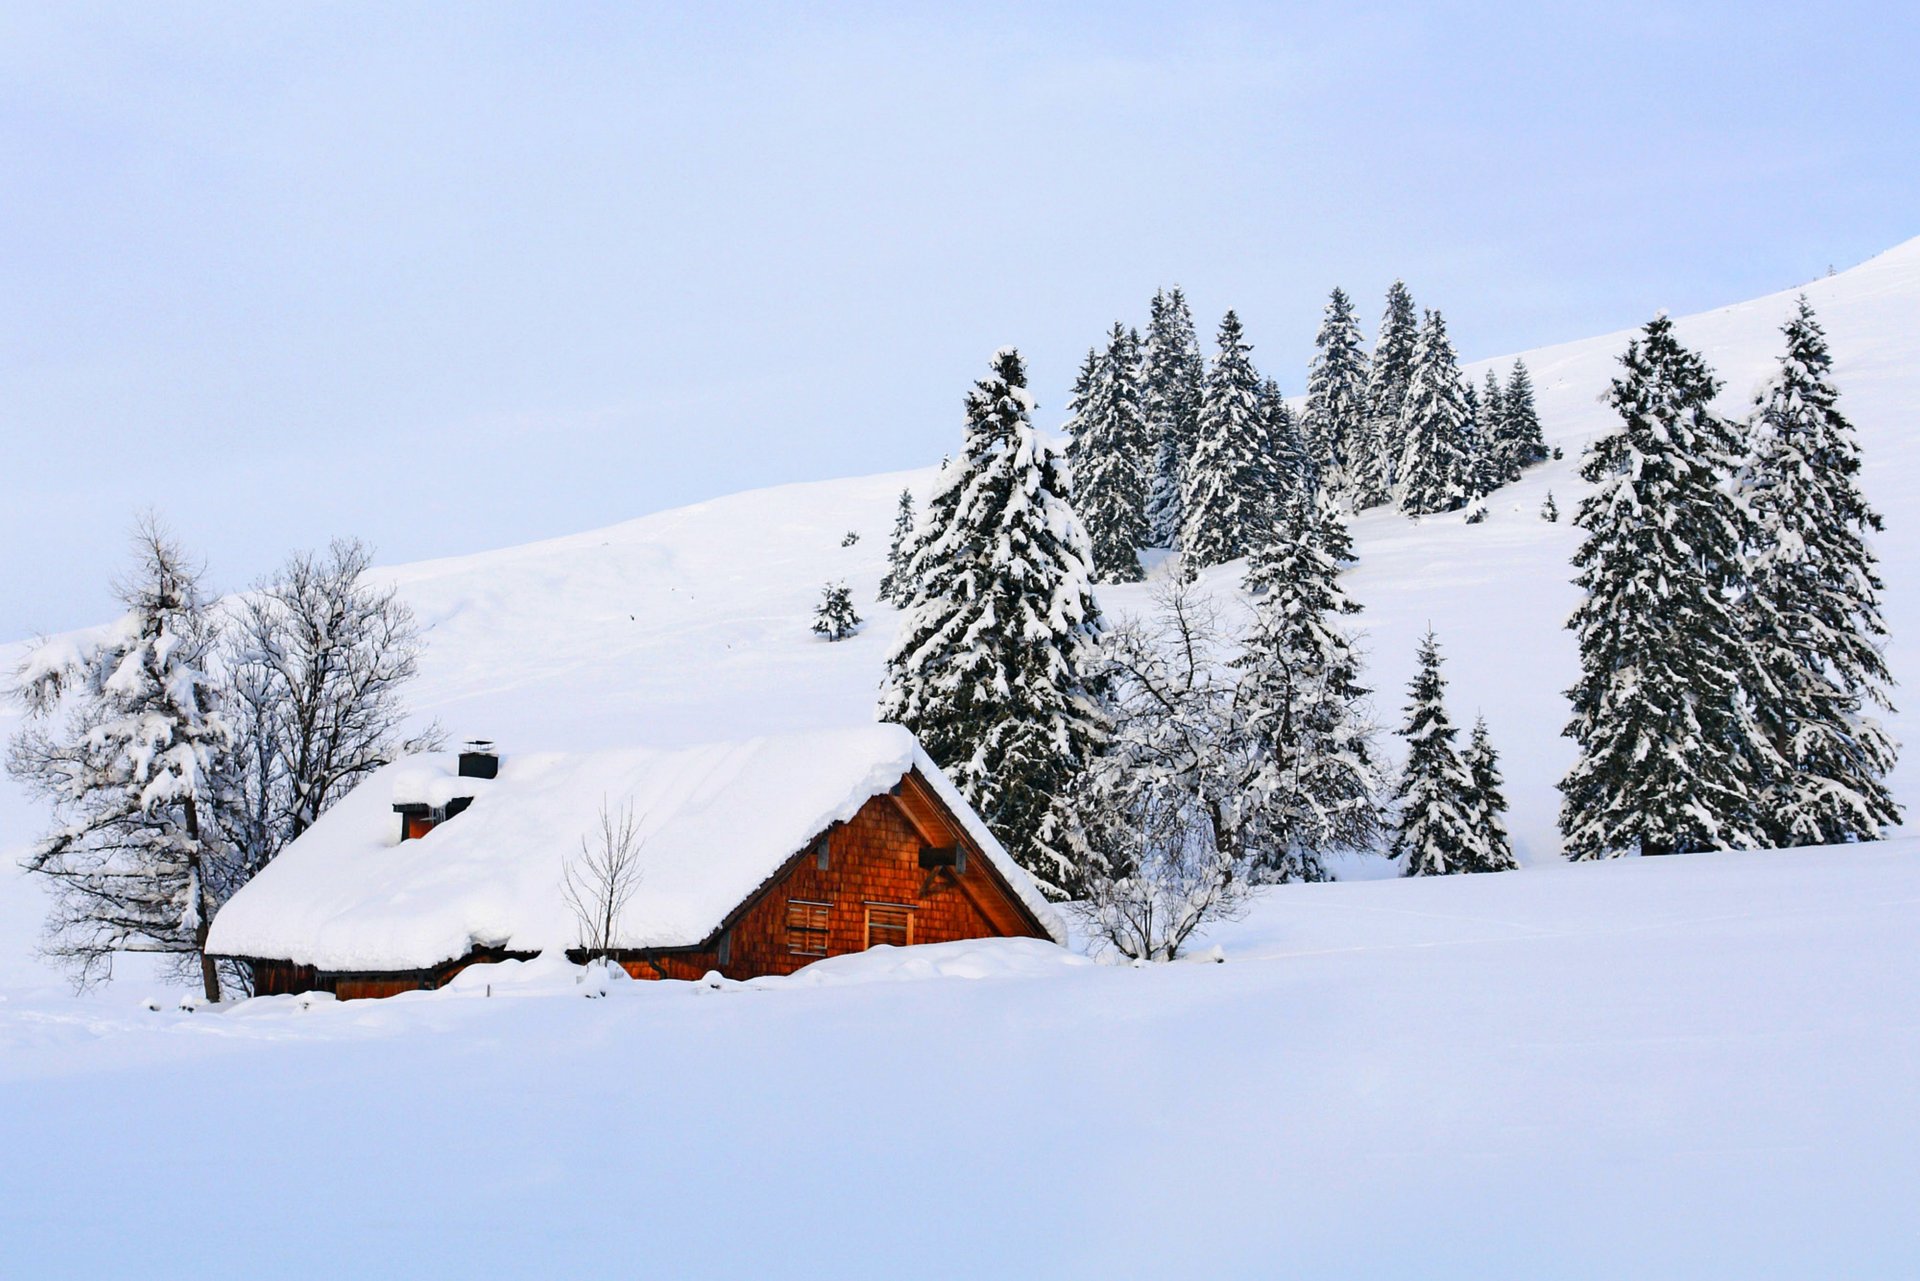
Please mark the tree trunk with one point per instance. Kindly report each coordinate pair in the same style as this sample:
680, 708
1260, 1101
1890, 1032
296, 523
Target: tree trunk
209, 972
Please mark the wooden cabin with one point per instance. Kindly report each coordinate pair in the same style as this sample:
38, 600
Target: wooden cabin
733, 877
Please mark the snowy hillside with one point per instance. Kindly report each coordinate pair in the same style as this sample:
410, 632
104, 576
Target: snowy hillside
691, 624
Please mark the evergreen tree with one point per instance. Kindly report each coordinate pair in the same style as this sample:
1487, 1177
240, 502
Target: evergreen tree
1550, 510
1519, 437
1813, 615
1435, 472
1229, 475
1438, 828
1490, 799
134, 859
834, 617
1290, 463
894, 589
1112, 457
1500, 462
988, 666
1670, 758
1390, 374
1335, 421
1304, 710
1173, 378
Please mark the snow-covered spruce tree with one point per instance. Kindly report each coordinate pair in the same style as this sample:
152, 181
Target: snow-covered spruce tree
1173, 378
1229, 475
834, 617
1388, 375
1316, 782
315, 661
1490, 795
1437, 827
1493, 431
1167, 799
989, 666
1335, 419
131, 861
1670, 757
1520, 442
893, 584
1813, 614
1550, 510
1435, 471
1112, 459
1289, 463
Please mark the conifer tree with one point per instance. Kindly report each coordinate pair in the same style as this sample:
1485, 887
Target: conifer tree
1112, 458
1173, 379
1229, 475
1437, 828
988, 668
1521, 445
1316, 781
1290, 463
1435, 472
1389, 374
1335, 420
133, 859
893, 584
1670, 757
834, 617
1500, 461
1813, 614
1550, 510
1490, 799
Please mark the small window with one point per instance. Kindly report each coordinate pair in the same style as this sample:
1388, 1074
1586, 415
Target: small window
890, 923
807, 927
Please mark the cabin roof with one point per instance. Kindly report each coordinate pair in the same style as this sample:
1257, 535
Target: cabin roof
717, 821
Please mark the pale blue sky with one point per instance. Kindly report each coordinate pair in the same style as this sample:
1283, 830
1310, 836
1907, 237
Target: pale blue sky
452, 277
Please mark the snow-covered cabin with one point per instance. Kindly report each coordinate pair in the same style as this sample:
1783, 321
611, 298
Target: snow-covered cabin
755, 857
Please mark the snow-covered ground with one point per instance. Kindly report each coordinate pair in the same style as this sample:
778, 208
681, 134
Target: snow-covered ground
1698, 1066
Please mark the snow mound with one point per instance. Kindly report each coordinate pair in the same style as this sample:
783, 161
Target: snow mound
967, 959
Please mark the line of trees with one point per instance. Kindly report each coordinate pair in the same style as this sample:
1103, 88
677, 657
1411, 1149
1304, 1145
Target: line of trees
183, 746
1171, 450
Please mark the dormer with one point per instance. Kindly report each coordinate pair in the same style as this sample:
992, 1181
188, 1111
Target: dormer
424, 801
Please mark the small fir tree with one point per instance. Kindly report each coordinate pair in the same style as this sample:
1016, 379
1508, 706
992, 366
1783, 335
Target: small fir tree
1490, 797
893, 584
1550, 510
1290, 467
1493, 429
989, 666
834, 617
1173, 380
1229, 476
1112, 458
1813, 615
1334, 423
1438, 826
1435, 472
1670, 757
1520, 443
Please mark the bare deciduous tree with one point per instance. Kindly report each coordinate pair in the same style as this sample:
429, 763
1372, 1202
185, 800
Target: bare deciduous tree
603, 878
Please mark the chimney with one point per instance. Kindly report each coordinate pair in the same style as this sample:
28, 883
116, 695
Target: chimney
479, 760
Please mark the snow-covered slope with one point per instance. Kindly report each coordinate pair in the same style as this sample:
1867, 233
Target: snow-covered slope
691, 625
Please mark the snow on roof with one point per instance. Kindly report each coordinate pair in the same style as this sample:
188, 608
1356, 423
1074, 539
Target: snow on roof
716, 821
